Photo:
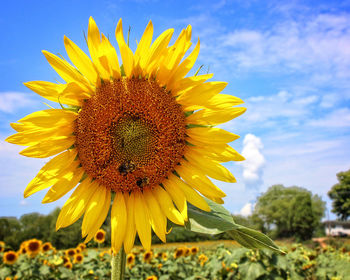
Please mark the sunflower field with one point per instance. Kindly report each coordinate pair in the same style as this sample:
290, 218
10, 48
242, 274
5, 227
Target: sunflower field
38, 260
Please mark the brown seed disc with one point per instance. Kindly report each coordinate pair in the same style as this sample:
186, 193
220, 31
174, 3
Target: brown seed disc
130, 134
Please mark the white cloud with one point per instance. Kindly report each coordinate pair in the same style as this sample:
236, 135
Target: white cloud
255, 161
246, 210
11, 102
24, 202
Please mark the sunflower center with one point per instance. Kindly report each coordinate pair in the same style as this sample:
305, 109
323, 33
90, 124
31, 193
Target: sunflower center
130, 135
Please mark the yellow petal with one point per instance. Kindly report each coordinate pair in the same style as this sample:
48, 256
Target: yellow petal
210, 167
142, 221
178, 196
217, 151
213, 117
67, 72
118, 221
32, 137
111, 62
76, 205
130, 231
94, 44
81, 61
50, 172
50, 91
151, 61
49, 118
167, 205
199, 94
222, 101
191, 195
145, 42
189, 82
157, 218
49, 147
64, 185
126, 53
198, 180
73, 91
96, 212
185, 66
210, 135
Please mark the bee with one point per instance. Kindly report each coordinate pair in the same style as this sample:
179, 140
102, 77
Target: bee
141, 182
127, 167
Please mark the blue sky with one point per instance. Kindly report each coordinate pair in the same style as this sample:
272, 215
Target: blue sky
290, 63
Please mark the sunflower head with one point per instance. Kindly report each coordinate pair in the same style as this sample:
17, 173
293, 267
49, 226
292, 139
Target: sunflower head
187, 252
46, 247
202, 259
78, 258
70, 252
65, 259
130, 260
147, 256
2, 246
153, 277
82, 246
68, 265
179, 252
10, 257
194, 250
78, 250
100, 236
143, 131
33, 247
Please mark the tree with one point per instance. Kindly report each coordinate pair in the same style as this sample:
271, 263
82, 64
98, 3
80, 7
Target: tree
340, 194
288, 212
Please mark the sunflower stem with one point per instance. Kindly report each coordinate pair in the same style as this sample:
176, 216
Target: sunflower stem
118, 265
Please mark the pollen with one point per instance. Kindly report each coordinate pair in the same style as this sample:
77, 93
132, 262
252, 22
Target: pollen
130, 135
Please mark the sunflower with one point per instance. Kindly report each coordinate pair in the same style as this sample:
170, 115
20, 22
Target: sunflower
33, 247
153, 277
202, 259
194, 250
10, 257
70, 252
47, 246
68, 265
78, 250
82, 246
147, 256
143, 131
2, 246
130, 260
179, 252
78, 258
65, 259
100, 236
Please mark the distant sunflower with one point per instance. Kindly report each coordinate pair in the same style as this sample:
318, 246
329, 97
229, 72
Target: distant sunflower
142, 130
47, 246
147, 256
78, 258
130, 260
68, 265
179, 252
194, 250
70, 252
10, 257
33, 247
100, 236
153, 277
82, 246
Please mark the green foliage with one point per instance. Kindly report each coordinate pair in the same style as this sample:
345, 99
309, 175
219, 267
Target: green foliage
340, 194
288, 212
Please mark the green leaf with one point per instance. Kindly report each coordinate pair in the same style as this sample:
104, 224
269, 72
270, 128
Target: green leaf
216, 221
253, 239
252, 270
219, 220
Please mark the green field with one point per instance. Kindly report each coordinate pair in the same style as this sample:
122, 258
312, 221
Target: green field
203, 260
